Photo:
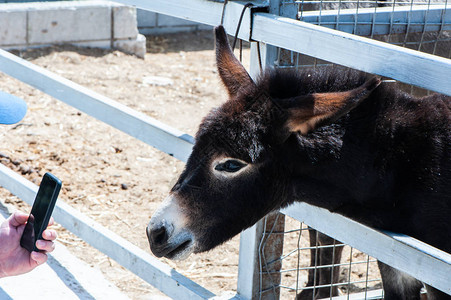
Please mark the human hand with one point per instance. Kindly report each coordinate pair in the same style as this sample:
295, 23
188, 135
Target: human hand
15, 260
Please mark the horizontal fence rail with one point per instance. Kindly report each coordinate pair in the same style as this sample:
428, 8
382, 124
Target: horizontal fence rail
408, 66
204, 11
132, 122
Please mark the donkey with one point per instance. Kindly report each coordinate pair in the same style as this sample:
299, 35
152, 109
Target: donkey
333, 138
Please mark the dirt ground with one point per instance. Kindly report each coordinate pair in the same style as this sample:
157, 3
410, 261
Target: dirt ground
107, 175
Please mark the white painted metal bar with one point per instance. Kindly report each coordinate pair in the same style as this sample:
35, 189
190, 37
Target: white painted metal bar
203, 11
386, 20
409, 66
125, 253
248, 275
194, 10
136, 124
431, 265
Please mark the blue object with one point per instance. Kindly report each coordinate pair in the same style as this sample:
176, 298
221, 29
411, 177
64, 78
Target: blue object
12, 108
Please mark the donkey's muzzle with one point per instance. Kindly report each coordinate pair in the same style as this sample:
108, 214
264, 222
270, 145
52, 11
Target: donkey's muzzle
163, 241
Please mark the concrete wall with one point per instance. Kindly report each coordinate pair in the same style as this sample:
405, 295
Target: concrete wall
150, 23
84, 23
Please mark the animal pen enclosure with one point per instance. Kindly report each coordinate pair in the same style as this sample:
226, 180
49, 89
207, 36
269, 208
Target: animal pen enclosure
396, 22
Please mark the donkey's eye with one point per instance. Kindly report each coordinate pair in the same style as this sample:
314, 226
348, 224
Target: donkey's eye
230, 166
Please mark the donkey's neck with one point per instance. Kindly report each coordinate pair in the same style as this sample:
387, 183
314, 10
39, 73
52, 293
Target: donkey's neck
323, 175
310, 161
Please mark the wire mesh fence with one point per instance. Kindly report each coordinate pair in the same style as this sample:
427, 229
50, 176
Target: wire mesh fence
418, 25
313, 266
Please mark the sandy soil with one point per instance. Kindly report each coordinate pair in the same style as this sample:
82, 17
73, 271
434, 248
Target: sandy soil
113, 178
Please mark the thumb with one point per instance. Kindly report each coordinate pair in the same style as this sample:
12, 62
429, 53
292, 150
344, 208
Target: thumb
17, 218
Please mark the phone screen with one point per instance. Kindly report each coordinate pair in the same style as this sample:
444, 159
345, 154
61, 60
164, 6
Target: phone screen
42, 210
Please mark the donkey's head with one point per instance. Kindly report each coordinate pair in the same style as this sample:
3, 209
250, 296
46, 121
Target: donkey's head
239, 169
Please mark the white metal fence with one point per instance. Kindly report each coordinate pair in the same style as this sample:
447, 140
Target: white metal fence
264, 22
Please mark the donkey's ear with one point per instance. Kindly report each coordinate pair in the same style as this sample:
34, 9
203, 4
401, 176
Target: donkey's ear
233, 74
306, 113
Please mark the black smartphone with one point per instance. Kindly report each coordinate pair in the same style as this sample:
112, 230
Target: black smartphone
41, 212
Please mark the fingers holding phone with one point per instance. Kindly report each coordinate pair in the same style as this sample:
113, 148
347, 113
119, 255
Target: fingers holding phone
46, 244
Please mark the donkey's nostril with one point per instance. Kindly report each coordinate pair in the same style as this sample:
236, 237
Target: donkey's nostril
159, 235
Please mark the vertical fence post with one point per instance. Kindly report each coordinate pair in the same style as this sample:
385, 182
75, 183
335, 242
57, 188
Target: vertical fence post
248, 285
261, 247
259, 265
